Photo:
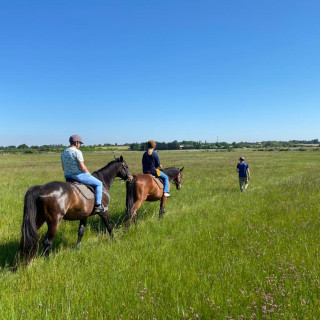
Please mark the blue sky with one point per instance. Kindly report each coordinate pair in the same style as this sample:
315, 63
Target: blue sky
129, 71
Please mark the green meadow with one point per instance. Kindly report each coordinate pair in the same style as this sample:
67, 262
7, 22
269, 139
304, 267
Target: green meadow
216, 254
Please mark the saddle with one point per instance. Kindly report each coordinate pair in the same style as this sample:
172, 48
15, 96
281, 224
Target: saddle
158, 181
85, 190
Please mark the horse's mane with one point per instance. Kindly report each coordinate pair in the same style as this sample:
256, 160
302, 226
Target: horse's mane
107, 171
171, 172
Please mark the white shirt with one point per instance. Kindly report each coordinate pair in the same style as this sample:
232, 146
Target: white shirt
70, 161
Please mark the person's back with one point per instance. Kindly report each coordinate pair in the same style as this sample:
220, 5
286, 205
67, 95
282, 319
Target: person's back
151, 162
244, 174
242, 166
70, 158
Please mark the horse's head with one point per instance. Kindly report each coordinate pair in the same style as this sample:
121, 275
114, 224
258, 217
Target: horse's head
178, 178
175, 175
123, 171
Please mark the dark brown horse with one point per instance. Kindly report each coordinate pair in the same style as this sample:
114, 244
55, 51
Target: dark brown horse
143, 188
55, 201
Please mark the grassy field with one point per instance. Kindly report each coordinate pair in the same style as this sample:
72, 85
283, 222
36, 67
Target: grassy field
217, 253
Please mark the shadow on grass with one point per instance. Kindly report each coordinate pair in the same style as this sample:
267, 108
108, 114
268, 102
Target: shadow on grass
7, 254
118, 218
9, 250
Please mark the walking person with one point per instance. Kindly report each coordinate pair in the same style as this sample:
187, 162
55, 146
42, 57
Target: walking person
244, 174
151, 165
74, 168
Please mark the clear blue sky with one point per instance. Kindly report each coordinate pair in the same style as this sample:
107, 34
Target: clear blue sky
118, 71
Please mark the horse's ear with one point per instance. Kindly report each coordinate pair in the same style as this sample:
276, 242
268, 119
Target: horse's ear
181, 169
121, 158
115, 158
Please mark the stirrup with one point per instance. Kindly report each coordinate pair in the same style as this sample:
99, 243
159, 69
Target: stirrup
99, 208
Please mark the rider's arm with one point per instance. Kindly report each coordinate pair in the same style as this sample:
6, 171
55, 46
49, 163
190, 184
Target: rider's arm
156, 160
83, 167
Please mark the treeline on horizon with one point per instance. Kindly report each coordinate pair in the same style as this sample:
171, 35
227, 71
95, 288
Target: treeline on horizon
174, 145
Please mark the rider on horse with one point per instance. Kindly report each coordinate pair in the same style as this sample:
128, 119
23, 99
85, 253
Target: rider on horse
75, 169
151, 163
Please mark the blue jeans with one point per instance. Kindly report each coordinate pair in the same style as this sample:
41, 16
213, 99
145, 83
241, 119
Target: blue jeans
87, 178
166, 181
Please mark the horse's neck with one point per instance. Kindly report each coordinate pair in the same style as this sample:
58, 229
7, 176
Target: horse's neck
171, 175
106, 175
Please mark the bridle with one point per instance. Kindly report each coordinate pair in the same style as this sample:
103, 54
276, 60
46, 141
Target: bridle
177, 180
128, 175
126, 169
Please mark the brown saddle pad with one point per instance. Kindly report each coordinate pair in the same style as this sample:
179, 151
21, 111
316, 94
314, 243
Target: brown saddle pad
158, 181
86, 191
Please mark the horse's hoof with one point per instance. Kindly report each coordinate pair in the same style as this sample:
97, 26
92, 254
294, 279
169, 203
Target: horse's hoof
161, 214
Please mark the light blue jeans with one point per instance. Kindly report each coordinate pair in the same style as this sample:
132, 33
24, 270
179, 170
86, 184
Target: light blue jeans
166, 181
87, 178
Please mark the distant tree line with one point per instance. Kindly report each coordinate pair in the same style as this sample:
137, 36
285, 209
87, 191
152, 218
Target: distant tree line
23, 148
174, 145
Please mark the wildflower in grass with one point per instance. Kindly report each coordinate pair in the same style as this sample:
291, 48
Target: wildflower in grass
253, 316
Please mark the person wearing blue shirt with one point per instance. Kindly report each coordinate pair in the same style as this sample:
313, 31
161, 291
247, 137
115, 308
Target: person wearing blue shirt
151, 162
244, 174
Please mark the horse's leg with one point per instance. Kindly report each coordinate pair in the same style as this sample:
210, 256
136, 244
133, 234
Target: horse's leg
106, 220
82, 227
47, 243
136, 207
162, 209
132, 215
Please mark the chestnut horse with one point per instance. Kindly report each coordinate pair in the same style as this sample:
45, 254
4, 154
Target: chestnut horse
143, 188
55, 201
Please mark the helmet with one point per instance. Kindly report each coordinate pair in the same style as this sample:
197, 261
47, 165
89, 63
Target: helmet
241, 158
75, 138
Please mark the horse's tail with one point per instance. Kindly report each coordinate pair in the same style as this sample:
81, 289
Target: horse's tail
29, 229
130, 196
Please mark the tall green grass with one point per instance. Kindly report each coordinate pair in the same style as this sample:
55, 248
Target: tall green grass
217, 253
